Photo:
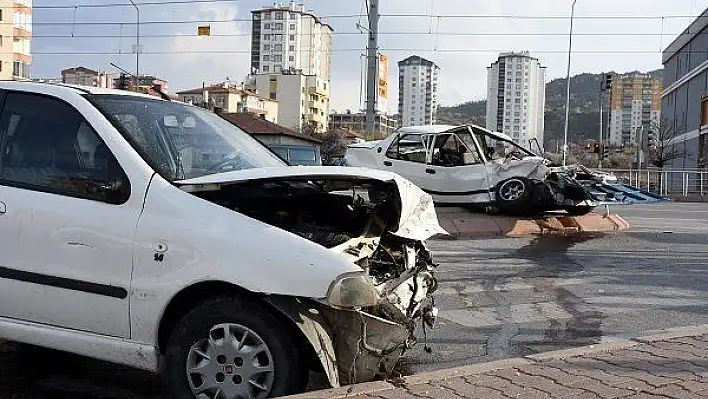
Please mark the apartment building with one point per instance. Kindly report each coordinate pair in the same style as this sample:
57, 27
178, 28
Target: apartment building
516, 97
15, 39
635, 108
417, 91
384, 125
86, 77
303, 99
289, 37
228, 99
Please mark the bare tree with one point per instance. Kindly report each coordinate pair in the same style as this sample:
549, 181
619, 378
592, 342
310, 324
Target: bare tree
333, 147
663, 144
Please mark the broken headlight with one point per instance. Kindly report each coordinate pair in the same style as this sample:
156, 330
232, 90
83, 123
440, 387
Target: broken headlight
352, 290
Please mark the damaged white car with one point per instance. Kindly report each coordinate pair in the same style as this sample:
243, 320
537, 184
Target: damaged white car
172, 241
472, 165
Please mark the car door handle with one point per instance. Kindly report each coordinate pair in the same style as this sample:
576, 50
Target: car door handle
3, 208
388, 163
430, 171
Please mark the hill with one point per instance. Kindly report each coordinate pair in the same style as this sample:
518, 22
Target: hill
584, 115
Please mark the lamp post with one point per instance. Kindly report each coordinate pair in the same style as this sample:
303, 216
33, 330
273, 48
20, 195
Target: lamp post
567, 84
137, 46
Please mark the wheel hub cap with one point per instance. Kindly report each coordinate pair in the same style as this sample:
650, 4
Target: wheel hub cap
232, 362
512, 190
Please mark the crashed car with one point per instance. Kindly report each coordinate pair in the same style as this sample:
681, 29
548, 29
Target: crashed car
472, 165
156, 234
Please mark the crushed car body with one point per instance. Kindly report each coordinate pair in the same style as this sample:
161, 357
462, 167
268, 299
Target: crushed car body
474, 166
376, 220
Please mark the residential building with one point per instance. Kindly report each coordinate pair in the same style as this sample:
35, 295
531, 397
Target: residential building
417, 91
15, 39
290, 37
384, 125
516, 97
145, 83
267, 132
635, 108
228, 99
86, 77
685, 87
303, 99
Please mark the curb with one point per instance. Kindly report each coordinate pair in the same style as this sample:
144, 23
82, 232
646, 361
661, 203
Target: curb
481, 368
461, 224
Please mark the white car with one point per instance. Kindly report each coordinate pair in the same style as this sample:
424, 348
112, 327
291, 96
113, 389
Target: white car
157, 235
472, 165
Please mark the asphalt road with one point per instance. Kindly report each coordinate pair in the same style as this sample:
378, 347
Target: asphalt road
498, 298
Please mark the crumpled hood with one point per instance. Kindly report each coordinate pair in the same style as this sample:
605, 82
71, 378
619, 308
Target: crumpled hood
418, 220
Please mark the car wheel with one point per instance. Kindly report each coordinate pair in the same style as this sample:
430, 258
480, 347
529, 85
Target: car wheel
229, 348
579, 210
514, 196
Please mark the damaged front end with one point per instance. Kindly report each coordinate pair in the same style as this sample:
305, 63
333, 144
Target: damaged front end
368, 319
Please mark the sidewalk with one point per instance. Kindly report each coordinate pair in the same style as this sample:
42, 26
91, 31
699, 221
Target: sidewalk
671, 364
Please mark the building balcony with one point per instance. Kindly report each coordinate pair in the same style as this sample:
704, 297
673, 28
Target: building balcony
318, 91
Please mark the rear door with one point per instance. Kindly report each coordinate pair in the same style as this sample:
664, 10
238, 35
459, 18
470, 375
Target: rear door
65, 235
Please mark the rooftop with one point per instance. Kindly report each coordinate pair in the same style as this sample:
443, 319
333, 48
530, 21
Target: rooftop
416, 60
693, 30
255, 125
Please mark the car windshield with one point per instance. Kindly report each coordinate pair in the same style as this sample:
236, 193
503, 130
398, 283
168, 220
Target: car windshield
182, 141
498, 148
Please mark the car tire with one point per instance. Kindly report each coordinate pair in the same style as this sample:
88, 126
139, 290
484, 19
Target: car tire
579, 210
260, 355
513, 196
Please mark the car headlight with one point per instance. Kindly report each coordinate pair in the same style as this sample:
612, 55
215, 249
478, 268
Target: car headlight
352, 290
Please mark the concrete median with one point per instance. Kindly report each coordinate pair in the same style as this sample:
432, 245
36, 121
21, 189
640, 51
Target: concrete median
461, 223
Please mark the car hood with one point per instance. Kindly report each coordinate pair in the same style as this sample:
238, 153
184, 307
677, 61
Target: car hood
417, 221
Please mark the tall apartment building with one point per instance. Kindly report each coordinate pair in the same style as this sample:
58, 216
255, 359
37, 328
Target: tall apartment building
516, 97
417, 91
15, 38
635, 104
291, 62
302, 99
290, 37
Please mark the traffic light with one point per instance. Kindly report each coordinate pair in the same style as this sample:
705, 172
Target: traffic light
651, 139
596, 148
606, 83
605, 151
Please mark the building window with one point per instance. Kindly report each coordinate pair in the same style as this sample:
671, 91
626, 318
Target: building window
508, 80
291, 58
266, 68
266, 15
278, 38
266, 47
292, 38
291, 48
277, 58
278, 47
279, 15
278, 26
508, 100
266, 37
266, 57
518, 93
292, 26
517, 113
266, 26
516, 120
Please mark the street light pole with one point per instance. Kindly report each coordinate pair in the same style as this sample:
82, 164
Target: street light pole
567, 84
137, 46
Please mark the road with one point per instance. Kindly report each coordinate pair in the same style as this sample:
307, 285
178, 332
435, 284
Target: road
498, 298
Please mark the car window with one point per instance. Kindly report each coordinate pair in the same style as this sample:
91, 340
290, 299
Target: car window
472, 155
450, 151
408, 147
50, 147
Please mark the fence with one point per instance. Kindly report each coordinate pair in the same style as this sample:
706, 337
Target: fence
681, 183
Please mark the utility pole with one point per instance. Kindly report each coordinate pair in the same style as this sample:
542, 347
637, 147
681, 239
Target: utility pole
372, 78
599, 155
137, 47
567, 85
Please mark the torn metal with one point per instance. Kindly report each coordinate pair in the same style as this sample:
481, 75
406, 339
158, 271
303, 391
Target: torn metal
378, 223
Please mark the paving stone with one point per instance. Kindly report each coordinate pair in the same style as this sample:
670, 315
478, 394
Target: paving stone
676, 392
509, 389
465, 389
432, 391
539, 382
696, 386
553, 373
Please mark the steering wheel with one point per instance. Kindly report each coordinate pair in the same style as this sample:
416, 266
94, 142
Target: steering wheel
231, 160
516, 154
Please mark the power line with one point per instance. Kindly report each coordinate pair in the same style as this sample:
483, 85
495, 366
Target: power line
452, 34
342, 50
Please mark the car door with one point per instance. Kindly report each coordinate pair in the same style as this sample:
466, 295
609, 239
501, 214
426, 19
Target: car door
406, 156
67, 220
457, 168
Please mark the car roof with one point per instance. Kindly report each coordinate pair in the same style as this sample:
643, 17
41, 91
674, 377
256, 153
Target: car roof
60, 89
435, 129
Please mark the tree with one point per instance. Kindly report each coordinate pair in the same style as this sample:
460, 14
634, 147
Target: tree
333, 147
663, 145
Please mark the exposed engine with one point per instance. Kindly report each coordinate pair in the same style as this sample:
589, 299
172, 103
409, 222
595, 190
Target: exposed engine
355, 218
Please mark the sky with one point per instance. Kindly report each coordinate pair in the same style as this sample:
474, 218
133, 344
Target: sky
462, 36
